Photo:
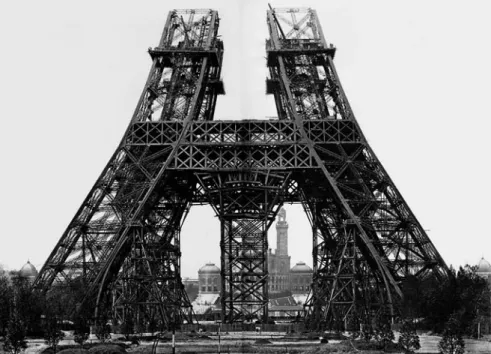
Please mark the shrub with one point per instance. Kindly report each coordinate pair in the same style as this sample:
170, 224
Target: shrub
384, 336
408, 340
452, 341
366, 332
103, 331
53, 333
80, 337
81, 332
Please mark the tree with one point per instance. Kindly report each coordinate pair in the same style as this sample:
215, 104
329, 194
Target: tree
473, 299
15, 339
384, 335
52, 332
82, 330
28, 305
6, 301
437, 300
452, 342
408, 339
464, 292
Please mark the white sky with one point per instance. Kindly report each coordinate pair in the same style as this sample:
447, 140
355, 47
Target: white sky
416, 73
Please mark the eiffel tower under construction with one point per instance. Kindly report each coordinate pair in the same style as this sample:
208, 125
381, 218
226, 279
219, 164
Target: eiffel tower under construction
122, 247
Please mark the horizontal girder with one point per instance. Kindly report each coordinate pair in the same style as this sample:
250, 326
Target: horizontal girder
252, 144
243, 132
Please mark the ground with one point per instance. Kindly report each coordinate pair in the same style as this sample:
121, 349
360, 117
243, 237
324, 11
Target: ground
253, 342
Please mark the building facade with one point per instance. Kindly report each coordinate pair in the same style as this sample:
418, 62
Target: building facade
484, 270
300, 278
209, 279
27, 272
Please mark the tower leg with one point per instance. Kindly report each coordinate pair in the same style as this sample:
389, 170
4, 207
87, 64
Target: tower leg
148, 287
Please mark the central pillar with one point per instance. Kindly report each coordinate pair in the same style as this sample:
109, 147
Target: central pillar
244, 266
246, 203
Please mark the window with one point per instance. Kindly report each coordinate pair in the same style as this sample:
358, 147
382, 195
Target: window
203, 288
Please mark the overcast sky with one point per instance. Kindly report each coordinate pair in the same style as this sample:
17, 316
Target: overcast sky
417, 74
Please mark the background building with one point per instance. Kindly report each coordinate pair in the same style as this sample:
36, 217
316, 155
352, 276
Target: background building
28, 272
209, 279
206, 305
279, 261
300, 278
484, 270
293, 283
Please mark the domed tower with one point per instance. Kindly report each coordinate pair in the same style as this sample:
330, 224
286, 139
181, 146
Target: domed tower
209, 279
301, 278
484, 270
28, 271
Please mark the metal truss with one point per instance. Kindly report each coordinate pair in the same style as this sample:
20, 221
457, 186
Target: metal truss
123, 244
246, 203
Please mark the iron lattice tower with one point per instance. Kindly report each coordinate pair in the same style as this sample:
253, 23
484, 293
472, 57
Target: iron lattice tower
123, 247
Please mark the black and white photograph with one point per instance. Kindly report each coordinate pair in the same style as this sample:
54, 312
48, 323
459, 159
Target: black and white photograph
245, 176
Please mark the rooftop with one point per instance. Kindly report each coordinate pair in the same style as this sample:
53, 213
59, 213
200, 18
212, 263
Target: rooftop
301, 267
483, 266
209, 268
28, 271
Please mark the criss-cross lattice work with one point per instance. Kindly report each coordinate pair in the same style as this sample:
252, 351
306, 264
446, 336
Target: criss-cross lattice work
123, 244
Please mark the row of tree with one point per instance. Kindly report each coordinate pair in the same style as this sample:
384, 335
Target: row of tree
457, 306
25, 312
465, 298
